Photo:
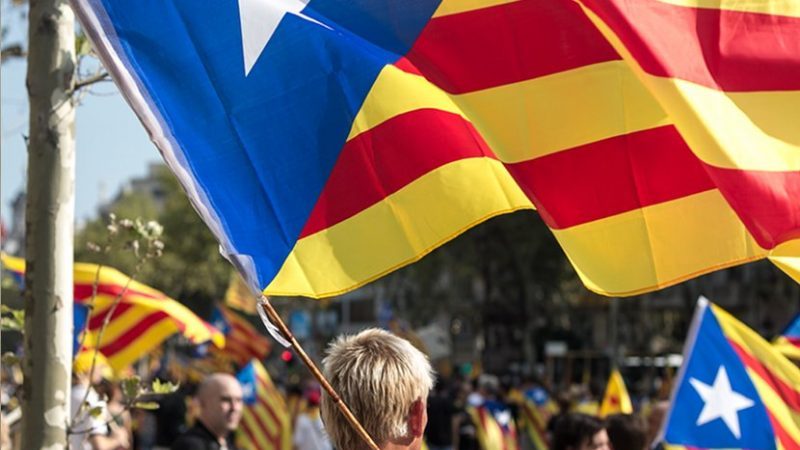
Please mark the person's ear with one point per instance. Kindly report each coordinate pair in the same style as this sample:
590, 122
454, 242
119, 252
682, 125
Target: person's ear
416, 418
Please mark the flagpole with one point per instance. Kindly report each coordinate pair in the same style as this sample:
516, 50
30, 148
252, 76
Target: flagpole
276, 319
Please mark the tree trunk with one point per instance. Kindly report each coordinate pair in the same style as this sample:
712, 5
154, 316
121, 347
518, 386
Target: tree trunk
49, 216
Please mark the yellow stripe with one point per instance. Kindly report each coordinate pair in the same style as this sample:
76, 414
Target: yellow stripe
13, 263
750, 130
787, 257
248, 416
195, 328
528, 119
400, 229
119, 325
85, 273
788, 419
395, 92
759, 348
658, 246
533, 118
786, 348
142, 345
775, 7
448, 7
272, 427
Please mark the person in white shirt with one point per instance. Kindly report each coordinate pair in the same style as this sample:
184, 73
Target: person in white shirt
309, 432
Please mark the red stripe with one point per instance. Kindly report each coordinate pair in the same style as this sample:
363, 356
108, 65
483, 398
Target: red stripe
506, 44
263, 427
612, 176
83, 292
96, 320
723, 49
768, 203
381, 161
261, 431
132, 333
793, 340
781, 434
787, 394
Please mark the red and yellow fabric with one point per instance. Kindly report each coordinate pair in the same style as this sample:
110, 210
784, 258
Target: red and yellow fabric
142, 319
646, 179
238, 296
533, 422
788, 343
776, 379
266, 424
491, 434
616, 399
242, 341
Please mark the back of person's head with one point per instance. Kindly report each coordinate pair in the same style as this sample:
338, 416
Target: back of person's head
573, 430
380, 377
627, 432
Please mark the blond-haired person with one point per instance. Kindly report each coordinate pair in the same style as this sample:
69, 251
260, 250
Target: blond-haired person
385, 381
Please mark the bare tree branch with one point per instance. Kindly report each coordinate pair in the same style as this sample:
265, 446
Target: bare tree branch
102, 76
11, 51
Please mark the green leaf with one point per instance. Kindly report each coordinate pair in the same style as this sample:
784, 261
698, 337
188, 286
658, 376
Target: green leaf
131, 387
96, 411
146, 405
82, 45
166, 387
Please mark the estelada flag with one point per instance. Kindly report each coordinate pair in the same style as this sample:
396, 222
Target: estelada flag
616, 399
266, 424
734, 389
327, 143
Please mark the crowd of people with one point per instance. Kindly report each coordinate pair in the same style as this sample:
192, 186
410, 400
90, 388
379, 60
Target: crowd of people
386, 382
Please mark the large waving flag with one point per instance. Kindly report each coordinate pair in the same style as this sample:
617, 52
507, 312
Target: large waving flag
734, 389
788, 342
266, 423
616, 399
329, 142
242, 341
141, 321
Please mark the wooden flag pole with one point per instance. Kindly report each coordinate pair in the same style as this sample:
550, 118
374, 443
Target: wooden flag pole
287, 333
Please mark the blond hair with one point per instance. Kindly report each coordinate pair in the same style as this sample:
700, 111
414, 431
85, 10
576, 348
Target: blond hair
379, 376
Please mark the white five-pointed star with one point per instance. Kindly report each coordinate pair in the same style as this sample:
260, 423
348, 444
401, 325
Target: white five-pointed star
260, 19
721, 402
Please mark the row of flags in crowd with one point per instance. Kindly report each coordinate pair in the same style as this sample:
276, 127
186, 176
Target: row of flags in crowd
734, 390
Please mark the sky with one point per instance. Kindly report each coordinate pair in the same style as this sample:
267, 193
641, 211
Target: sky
111, 145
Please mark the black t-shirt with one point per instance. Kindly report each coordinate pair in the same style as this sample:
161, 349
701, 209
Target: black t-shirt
439, 431
199, 438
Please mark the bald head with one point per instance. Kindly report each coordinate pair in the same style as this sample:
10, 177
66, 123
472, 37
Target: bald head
220, 399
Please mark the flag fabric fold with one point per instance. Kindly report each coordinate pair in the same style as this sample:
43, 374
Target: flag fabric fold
734, 390
329, 144
265, 422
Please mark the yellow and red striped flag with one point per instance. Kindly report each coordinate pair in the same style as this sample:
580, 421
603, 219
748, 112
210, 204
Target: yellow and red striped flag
266, 424
141, 321
242, 341
616, 399
658, 139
